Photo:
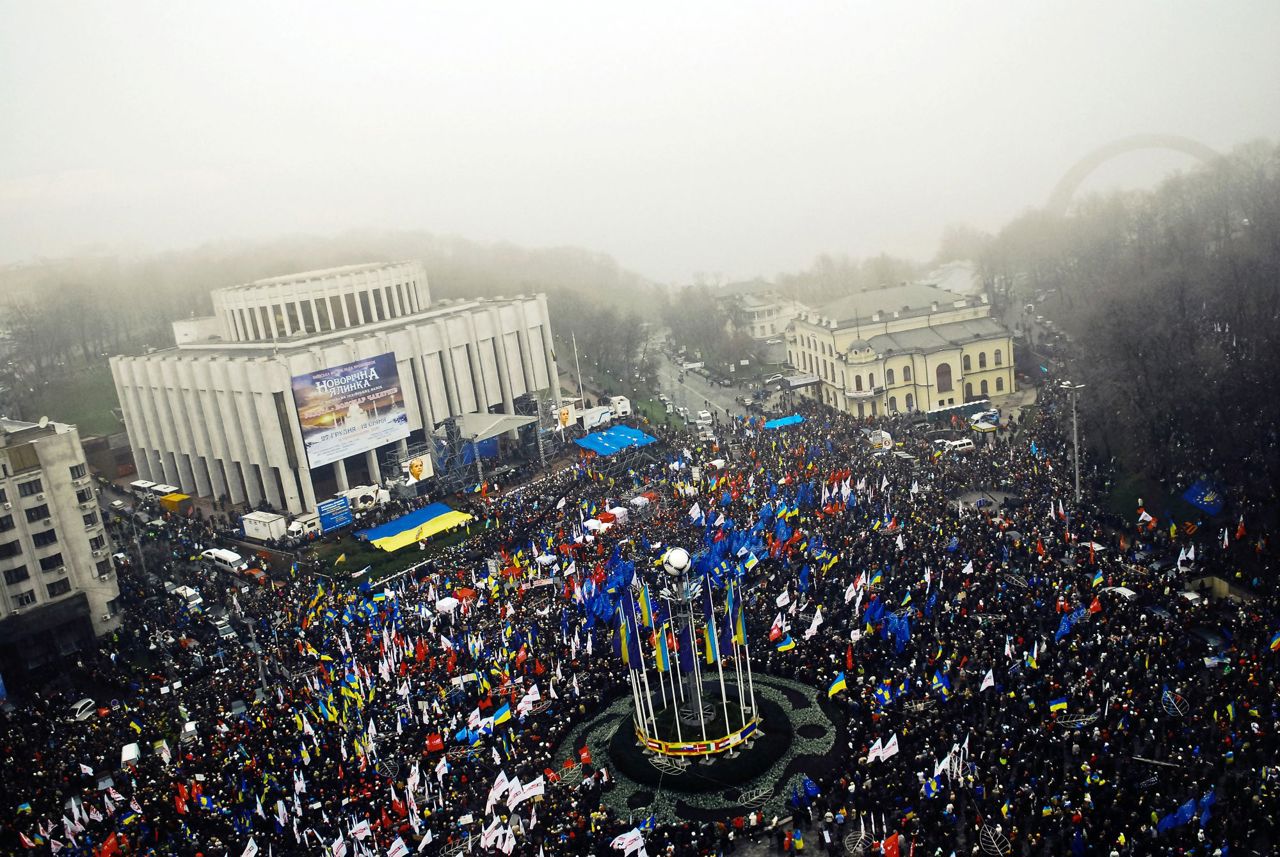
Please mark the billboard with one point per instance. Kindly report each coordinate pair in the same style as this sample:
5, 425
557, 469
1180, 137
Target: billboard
416, 469
334, 513
349, 409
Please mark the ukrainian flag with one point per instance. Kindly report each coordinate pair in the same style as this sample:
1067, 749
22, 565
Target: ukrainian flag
712, 644
502, 715
1098, 579
1059, 704
660, 649
1275, 643
876, 578
753, 560
836, 686
786, 644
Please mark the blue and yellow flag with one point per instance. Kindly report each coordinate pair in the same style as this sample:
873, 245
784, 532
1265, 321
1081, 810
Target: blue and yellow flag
1059, 704
786, 644
836, 686
502, 715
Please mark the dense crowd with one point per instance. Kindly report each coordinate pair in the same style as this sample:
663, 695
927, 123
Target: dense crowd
1041, 685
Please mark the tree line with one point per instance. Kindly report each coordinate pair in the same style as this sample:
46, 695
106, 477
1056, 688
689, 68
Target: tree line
1172, 298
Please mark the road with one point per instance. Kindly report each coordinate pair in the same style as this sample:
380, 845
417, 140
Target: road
697, 393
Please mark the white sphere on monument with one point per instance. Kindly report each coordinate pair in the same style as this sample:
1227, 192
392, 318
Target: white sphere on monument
676, 561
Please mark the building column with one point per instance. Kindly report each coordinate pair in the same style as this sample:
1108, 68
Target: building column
340, 474
375, 472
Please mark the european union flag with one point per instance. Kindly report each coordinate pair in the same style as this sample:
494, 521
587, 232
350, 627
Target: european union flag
1205, 495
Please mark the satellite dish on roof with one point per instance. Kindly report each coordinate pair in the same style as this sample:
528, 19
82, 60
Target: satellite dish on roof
44, 422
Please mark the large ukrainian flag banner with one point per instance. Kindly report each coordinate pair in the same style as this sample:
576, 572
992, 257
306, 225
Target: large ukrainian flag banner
414, 527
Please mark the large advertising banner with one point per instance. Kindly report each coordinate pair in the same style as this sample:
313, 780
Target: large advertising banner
349, 409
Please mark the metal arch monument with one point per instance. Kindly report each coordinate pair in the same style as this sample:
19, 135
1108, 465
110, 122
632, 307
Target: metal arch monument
1070, 182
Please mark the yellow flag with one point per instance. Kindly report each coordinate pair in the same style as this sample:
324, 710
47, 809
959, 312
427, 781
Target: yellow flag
341, 559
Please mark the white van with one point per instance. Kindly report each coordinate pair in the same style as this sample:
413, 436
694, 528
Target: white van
141, 488
225, 560
191, 598
962, 445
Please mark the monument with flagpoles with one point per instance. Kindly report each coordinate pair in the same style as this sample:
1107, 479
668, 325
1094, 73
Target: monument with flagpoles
683, 640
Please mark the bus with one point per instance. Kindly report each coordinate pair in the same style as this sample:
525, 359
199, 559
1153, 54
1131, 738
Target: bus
943, 416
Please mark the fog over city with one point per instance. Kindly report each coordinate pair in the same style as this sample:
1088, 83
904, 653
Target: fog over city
737, 138
677, 429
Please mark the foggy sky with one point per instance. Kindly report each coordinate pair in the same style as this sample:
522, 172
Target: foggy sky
734, 137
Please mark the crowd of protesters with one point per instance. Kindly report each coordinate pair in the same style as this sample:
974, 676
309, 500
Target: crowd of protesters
1045, 693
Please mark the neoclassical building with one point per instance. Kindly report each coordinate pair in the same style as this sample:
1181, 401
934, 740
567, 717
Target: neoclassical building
902, 349
298, 386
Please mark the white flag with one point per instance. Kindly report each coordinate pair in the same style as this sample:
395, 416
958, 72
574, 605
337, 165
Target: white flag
695, 512
849, 592
784, 599
398, 848
968, 568
988, 680
874, 753
813, 626
890, 748
250, 850
361, 830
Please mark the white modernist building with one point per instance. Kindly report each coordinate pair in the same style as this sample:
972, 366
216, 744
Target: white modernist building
296, 387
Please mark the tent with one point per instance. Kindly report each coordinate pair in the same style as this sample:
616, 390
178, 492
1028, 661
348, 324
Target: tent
783, 422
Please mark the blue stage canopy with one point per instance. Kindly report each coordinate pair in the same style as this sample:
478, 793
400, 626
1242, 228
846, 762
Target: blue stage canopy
614, 440
783, 422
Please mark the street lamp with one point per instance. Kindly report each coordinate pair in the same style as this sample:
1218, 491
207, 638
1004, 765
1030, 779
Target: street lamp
1075, 432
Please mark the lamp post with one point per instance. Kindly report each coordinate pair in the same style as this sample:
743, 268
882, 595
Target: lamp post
1073, 389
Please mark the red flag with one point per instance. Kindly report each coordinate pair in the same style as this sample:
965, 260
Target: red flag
1096, 606
848, 657
1240, 529
584, 755
1040, 547
1091, 559
180, 805
890, 846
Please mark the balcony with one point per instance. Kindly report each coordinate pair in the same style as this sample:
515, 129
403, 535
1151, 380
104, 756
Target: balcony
873, 393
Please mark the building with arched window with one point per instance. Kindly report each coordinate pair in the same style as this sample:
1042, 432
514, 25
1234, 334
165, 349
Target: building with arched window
912, 347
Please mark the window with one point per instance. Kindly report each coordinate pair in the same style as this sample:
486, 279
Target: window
30, 489
6, 523
103, 567
43, 539
59, 587
906, 375
90, 519
999, 385
999, 357
4, 498
871, 380
888, 377
857, 383
944, 377
16, 575
37, 513
965, 363
49, 563
78, 471
97, 543
910, 401
982, 360
984, 389
968, 390
84, 495
893, 404
25, 599
10, 549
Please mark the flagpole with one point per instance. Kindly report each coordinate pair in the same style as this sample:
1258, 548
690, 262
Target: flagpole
737, 663
746, 655
697, 666
724, 698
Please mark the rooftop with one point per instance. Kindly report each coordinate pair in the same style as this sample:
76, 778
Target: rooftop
860, 306
938, 336
318, 274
